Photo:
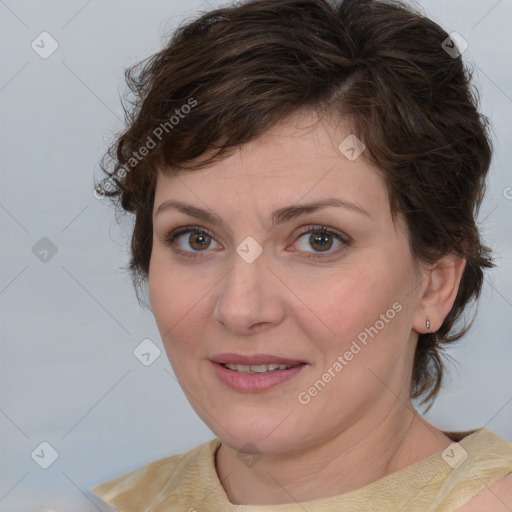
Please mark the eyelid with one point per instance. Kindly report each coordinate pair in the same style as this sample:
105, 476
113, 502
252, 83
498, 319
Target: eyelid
310, 228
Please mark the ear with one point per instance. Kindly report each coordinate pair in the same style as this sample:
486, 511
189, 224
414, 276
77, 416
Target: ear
439, 291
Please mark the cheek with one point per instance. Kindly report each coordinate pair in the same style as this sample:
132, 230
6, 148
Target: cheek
370, 322
182, 301
172, 297
366, 306
352, 299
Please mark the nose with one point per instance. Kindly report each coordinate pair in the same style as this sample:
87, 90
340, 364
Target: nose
249, 299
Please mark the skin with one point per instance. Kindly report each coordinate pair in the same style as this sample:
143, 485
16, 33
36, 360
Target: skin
309, 309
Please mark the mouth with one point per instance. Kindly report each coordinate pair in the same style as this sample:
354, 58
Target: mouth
254, 373
256, 368
232, 358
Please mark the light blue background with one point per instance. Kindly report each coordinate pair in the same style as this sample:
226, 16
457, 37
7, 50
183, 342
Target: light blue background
69, 326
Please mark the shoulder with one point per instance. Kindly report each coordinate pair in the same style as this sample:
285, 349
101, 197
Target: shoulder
152, 478
494, 498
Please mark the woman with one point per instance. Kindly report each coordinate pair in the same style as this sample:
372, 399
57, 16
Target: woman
305, 180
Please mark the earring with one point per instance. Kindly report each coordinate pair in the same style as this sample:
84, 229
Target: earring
427, 323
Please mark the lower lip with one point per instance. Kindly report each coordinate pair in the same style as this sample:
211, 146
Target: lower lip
254, 382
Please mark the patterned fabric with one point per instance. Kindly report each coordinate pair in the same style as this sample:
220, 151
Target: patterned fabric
188, 482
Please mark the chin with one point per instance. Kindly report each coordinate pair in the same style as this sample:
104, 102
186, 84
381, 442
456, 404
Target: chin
246, 429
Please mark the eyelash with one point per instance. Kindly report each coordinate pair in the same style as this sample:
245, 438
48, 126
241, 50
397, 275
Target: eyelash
169, 240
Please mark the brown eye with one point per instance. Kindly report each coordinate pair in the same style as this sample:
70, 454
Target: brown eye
321, 240
197, 240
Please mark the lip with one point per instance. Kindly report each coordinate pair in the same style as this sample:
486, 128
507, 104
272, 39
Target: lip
232, 358
254, 382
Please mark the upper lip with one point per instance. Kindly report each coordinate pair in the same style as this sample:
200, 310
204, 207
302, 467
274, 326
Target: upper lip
231, 358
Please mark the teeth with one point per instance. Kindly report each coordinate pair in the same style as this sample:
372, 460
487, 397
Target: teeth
256, 368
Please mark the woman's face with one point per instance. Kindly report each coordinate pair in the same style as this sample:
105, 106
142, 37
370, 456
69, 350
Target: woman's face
339, 305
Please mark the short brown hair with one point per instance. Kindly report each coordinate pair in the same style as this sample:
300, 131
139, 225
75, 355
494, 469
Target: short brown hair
380, 65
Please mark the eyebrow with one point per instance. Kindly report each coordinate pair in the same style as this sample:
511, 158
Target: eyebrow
279, 216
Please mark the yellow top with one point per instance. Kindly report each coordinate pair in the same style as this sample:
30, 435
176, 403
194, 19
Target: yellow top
188, 482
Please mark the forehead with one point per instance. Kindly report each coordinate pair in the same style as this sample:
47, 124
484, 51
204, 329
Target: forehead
269, 180
301, 155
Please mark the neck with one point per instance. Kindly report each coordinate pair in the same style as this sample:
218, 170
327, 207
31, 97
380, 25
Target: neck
358, 456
